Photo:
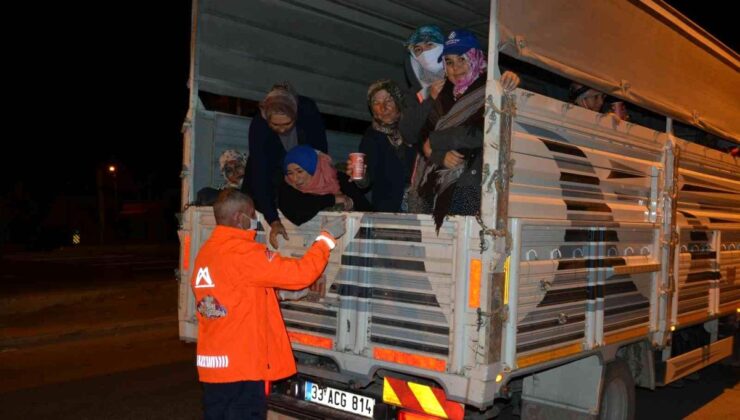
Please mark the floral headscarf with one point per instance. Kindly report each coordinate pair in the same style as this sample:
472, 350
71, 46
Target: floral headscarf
231, 155
477, 61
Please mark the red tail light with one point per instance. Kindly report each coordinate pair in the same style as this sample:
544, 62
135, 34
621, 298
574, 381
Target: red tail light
411, 415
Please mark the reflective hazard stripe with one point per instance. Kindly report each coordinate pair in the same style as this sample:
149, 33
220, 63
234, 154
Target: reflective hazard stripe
427, 399
422, 398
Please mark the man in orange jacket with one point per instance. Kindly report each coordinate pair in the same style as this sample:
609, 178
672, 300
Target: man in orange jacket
242, 340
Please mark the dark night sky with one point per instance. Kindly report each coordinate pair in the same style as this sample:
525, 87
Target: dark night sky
104, 85
715, 16
111, 86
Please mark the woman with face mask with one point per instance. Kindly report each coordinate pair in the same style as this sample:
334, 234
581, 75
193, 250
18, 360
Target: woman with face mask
311, 184
425, 77
453, 131
425, 74
423, 70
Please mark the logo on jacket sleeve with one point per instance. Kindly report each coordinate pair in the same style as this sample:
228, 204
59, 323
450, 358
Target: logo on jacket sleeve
269, 254
210, 308
204, 279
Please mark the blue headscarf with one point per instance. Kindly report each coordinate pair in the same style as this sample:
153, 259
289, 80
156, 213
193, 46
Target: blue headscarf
303, 156
426, 33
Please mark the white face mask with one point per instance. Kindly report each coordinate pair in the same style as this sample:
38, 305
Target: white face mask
428, 59
253, 223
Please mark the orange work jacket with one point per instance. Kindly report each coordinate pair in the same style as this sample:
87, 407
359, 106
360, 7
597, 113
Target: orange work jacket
241, 333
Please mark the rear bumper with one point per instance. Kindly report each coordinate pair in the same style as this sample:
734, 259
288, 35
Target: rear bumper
299, 409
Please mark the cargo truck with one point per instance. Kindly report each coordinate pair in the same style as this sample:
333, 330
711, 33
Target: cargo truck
604, 256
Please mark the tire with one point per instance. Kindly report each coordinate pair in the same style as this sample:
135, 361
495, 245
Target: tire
617, 393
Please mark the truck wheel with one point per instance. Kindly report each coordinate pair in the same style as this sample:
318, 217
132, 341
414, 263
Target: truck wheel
617, 393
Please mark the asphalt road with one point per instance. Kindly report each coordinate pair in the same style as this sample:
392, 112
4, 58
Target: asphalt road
93, 335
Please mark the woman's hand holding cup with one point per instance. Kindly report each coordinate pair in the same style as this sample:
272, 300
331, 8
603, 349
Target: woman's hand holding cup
356, 166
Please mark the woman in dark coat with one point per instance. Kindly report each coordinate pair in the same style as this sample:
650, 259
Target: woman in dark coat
453, 145
285, 121
389, 160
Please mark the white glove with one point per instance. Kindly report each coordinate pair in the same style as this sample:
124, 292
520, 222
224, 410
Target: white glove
292, 294
334, 225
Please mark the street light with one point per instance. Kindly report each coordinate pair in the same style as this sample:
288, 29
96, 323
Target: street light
112, 169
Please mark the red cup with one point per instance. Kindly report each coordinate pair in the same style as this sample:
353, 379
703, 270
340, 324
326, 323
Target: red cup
620, 110
357, 165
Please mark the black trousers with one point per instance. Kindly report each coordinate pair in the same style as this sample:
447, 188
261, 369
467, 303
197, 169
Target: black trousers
234, 400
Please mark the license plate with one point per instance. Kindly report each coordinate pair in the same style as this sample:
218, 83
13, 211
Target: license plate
341, 400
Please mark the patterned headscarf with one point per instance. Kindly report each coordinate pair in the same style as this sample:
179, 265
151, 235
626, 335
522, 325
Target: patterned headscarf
391, 130
387, 85
477, 61
425, 33
231, 155
281, 99
228, 156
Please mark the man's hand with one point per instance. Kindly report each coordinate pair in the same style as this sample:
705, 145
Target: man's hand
334, 225
277, 228
509, 81
452, 159
435, 88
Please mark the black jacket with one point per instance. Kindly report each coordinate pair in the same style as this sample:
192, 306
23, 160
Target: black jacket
299, 207
266, 153
388, 169
466, 138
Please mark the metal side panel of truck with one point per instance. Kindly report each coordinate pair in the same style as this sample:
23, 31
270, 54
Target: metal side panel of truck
597, 242
584, 276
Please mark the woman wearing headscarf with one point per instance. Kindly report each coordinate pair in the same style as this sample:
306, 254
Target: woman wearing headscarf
389, 160
425, 74
311, 184
285, 120
425, 77
453, 132
423, 70
233, 165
